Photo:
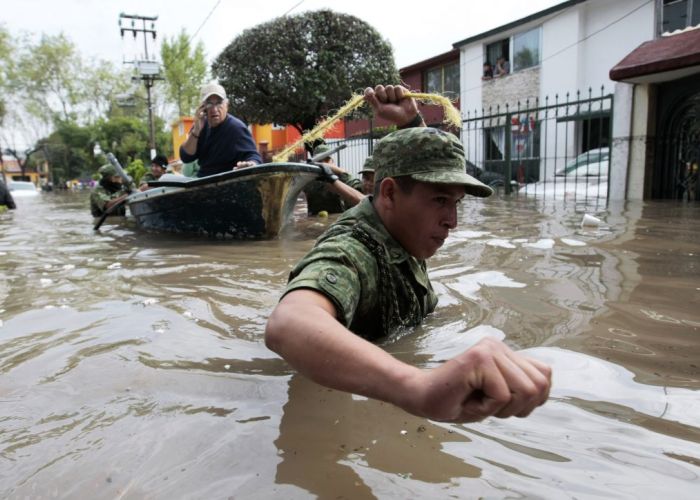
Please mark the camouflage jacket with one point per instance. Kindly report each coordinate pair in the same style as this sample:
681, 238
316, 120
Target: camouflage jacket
318, 197
99, 198
375, 285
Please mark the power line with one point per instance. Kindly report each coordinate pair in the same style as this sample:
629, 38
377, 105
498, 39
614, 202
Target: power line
205, 20
295, 6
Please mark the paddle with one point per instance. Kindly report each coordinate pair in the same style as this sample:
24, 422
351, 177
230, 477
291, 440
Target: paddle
128, 183
322, 156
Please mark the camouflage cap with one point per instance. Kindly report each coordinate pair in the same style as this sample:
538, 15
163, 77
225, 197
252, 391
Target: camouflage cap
321, 148
426, 155
368, 167
107, 170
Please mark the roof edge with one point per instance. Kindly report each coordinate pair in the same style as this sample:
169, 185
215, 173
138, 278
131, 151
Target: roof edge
518, 22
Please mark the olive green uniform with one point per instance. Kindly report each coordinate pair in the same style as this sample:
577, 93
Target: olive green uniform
375, 285
99, 198
319, 197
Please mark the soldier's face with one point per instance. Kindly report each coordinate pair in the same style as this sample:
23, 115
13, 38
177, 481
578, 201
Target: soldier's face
368, 182
424, 217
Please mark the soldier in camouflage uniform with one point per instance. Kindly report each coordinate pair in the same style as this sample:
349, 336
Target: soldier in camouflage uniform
331, 194
366, 278
109, 192
159, 164
367, 174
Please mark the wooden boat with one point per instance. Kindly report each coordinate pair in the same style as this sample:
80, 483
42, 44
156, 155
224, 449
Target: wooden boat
250, 203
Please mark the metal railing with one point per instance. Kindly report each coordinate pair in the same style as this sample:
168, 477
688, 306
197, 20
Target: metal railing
556, 148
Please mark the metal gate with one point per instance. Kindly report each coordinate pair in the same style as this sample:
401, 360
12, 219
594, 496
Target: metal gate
677, 145
557, 149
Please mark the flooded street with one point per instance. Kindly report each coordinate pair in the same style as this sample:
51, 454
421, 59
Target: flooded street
132, 365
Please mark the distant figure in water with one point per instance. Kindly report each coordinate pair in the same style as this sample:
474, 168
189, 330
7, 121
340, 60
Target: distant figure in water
108, 193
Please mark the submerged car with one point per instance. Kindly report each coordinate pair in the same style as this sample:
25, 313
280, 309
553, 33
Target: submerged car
22, 189
586, 176
593, 163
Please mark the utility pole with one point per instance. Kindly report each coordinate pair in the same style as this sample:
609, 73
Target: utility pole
148, 69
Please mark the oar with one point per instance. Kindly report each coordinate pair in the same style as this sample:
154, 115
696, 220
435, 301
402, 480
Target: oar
115, 163
108, 212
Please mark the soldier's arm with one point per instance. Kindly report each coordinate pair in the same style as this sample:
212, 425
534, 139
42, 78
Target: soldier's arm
350, 195
488, 379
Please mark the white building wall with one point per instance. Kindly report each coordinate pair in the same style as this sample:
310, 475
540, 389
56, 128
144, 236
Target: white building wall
579, 46
559, 68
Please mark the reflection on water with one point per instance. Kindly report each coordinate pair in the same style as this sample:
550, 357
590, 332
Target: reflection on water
132, 364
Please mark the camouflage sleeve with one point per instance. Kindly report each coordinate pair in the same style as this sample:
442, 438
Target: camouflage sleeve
333, 269
98, 201
354, 183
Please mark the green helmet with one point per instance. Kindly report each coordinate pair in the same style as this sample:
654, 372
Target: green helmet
107, 170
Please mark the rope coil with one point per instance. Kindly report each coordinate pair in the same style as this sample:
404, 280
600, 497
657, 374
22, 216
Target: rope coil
452, 117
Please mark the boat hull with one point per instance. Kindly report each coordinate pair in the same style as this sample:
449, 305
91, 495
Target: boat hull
250, 203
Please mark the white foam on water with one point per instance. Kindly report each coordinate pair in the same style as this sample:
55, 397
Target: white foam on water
543, 244
469, 234
496, 242
573, 243
468, 285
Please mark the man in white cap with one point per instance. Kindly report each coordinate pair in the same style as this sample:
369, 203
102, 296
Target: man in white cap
219, 140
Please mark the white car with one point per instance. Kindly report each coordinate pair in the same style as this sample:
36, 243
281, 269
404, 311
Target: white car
21, 189
586, 176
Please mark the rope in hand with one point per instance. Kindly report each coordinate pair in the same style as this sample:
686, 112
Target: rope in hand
452, 117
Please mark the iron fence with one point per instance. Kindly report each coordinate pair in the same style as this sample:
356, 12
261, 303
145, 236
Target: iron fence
558, 148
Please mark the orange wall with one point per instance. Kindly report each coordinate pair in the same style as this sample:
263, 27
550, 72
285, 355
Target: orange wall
180, 128
267, 137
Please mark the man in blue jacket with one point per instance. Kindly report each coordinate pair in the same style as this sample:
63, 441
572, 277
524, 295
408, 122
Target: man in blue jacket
219, 140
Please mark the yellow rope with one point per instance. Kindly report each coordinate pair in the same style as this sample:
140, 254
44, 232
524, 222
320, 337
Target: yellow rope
452, 117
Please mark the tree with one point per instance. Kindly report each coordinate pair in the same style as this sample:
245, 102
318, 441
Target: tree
50, 72
295, 69
185, 71
6, 68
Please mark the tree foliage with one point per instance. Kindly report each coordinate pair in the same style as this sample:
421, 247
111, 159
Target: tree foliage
185, 69
50, 72
6, 68
296, 69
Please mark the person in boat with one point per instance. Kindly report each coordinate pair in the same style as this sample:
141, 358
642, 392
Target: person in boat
159, 165
109, 191
6, 200
217, 139
335, 191
366, 278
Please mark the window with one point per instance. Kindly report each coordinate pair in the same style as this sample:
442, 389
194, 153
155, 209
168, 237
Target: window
526, 49
443, 80
496, 50
679, 14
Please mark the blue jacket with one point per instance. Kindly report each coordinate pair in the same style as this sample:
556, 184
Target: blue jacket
220, 148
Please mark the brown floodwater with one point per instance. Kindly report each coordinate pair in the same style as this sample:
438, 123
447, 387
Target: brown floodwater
132, 365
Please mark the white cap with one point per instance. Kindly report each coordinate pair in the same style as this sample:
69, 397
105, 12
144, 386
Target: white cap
212, 89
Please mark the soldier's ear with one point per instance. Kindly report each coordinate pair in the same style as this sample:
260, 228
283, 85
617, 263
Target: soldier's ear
387, 190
